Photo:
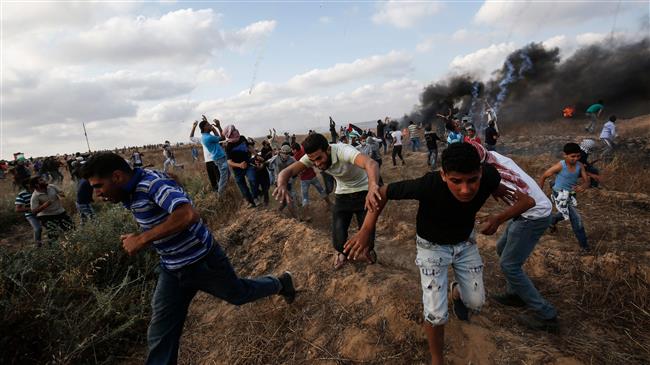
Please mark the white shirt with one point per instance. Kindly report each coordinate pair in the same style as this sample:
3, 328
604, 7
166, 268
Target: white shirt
207, 156
397, 136
542, 206
609, 130
349, 177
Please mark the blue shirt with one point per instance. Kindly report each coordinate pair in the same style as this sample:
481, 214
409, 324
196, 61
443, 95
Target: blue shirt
565, 179
153, 197
211, 143
454, 137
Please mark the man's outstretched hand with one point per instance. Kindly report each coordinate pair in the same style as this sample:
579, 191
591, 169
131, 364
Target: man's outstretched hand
281, 194
357, 247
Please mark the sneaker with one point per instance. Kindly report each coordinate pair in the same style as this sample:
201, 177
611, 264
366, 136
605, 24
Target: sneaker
535, 323
460, 310
252, 205
512, 300
287, 291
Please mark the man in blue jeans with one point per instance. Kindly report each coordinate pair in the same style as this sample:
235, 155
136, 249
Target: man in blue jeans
515, 246
448, 202
215, 158
190, 259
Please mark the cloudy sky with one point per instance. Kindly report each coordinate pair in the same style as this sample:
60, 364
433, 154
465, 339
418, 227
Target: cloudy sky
139, 73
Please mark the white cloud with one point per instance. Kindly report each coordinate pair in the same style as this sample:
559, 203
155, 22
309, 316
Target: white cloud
483, 61
404, 14
145, 86
425, 45
179, 36
531, 16
212, 75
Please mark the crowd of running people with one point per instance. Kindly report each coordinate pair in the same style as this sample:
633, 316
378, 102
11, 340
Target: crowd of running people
450, 194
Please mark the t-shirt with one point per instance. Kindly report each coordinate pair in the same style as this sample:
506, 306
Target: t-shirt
167, 151
454, 137
595, 108
24, 198
279, 164
51, 194
153, 197
380, 130
308, 173
84, 192
609, 130
397, 137
136, 157
490, 136
469, 139
441, 218
238, 152
542, 206
349, 177
432, 138
210, 143
413, 131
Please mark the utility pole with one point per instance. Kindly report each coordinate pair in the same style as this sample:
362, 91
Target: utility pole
86, 134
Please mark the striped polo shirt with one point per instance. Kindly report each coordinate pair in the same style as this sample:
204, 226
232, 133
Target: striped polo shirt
25, 198
154, 196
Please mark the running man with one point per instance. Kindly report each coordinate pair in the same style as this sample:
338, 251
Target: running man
357, 186
449, 200
190, 258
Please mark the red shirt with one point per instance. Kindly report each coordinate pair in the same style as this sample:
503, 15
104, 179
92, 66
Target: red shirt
467, 139
309, 172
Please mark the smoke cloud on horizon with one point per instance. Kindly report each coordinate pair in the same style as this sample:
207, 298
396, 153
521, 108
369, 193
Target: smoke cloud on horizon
535, 85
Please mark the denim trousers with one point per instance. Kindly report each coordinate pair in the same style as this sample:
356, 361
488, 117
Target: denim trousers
433, 157
345, 207
86, 212
415, 144
433, 260
247, 189
174, 291
576, 225
224, 173
304, 189
513, 247
593, 119
38, 229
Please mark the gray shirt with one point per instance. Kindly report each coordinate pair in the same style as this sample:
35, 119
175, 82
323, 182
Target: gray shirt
52, 195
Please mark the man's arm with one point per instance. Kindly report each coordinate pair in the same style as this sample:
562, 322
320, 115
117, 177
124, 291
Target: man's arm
196, 122
548, 173
358, 245
372, 169
281, 192
182, 217
522, 203
217, 128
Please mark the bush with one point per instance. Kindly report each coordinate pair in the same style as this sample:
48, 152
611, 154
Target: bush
79, 300
8, 215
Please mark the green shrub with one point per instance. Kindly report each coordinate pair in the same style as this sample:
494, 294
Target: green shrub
83, 300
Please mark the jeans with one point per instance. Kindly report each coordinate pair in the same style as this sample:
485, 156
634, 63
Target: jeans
415, 144
346, 206
491, 147
385, 144
576, 225
593, 118
175, 289
329, 182
433, 157
224, 173
397, 151
38, 229
169, 162
86, 212
213, 174
247, 189
433, 261
304, 189
513, 247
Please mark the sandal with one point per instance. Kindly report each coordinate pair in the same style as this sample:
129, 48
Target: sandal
339, 261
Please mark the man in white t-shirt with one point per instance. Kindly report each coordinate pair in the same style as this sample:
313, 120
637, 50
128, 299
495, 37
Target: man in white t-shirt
517, 243
397, 145
357, 186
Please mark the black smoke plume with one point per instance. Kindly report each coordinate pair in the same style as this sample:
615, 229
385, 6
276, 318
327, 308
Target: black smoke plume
535, 85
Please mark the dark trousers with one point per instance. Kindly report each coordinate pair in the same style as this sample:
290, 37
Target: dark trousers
56, 224
213, 174
175, 289
247, 188
397, 151
345, 207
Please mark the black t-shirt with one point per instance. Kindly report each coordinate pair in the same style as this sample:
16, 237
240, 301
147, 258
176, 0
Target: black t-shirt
380, 130
238, 152
431, 138
441, 218
490, 134
267, 152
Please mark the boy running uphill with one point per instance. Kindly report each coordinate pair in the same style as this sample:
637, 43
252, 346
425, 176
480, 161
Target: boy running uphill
449, 200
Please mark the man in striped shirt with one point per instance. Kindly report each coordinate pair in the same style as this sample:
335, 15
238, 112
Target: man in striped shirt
190, 259
23, 205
